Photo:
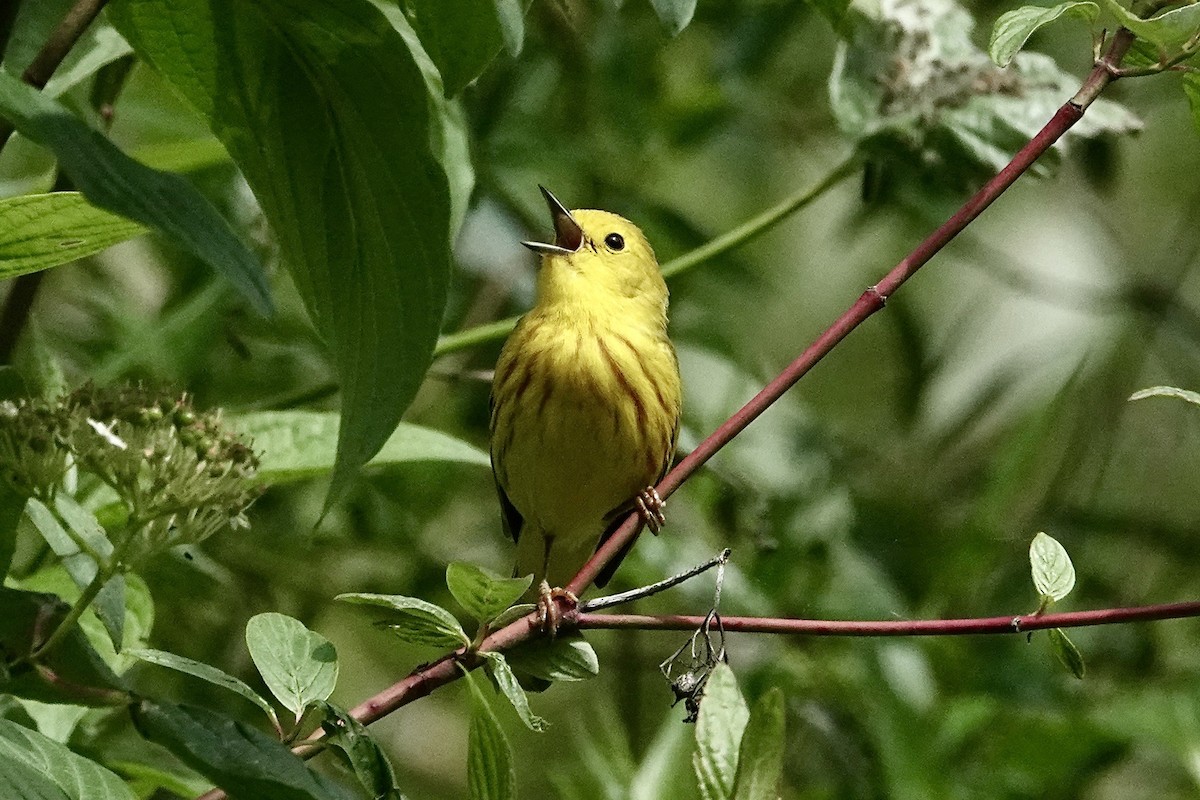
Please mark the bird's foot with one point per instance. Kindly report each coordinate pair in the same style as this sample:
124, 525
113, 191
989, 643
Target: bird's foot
549, 612
651, 506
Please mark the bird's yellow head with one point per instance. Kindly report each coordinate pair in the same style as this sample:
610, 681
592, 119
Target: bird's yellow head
598, 260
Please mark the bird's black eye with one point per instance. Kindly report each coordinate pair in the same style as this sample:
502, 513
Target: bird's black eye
615, 241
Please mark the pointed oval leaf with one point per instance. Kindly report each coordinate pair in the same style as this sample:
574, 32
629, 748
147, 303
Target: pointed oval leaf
242, 760
112, 180
1013, 29
299, 666
567, 657
38, 768
1067, 652
366, 757
414, 620
719, 728
344, 173
502, 674
490, 773
760, 756
1170, 391
482, 593
39, 231
205, 672
1053, 572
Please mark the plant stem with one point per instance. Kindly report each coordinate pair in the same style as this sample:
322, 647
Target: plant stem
495, 331
930, 627
68, 622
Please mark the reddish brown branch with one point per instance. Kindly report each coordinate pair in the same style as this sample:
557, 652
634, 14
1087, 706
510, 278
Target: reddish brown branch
894, 627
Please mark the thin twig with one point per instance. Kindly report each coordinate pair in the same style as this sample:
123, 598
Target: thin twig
930, 627
611, 600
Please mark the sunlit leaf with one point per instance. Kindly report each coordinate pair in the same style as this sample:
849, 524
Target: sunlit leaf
483, 594
1053, 572
414, 620
40, 231
299, 666
566, 657
1169, 30
719, 729
1013, 29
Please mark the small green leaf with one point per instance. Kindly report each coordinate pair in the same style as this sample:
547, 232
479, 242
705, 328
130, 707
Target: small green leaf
295, 445
481, 592
299, 666
38, 768
1169, 391
674, 14
39, 231
206, 672
1014, 28
490, 773
1168, 31
364, 754
512, 614
1067, 652
242, 760
1191, 90
1053, 572
112, 180
414, 620
497, 667
719, 728
567, 657
760, 756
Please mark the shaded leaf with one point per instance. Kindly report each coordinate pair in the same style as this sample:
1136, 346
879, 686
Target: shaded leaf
364, 754
1169, 30
1067, 652
1013, 29
12, 508
463, 36
295, 445
482, 593
719, 729
414, 620
343, 171
1191, 90
112, 180
242, 760
490, 773
299, 666
760, 756
39, 231
38, 768
1167, 391
567, 657
205, 672
497, 667
1053, 572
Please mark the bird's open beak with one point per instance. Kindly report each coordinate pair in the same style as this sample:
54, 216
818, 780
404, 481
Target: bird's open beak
568, 236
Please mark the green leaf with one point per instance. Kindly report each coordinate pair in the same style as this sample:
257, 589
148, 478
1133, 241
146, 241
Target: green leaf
674, 14
490, 773
463, 36
414, 620
497, 667
295, 445
1168, 31
12, 508
99, 46
299, 666
242, 760
512, 614
343, 171
112, 180
364, 754
1053, 572
1067, 652
56, 721
834, 12
206, 672
1168, 391
760, 757
83, 677
39, 231
32, 27
481, 592
1191, 90
567, 657
1014, 28
719, 728
38, 768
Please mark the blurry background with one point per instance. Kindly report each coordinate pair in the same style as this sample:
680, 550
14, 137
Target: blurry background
903, 478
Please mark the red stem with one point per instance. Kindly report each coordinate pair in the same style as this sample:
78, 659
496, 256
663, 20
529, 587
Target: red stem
921, 627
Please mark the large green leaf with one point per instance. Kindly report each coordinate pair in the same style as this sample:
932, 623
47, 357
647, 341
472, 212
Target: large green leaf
242, 760
112, 180
40, 231
294, 445
463, 36
33, 767
324, 109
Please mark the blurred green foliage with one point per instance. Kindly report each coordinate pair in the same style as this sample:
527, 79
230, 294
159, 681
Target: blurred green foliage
904, 478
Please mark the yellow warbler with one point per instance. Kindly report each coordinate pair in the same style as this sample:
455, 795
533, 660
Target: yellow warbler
586, 399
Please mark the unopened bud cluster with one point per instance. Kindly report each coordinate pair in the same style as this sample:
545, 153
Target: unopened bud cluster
181, 475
